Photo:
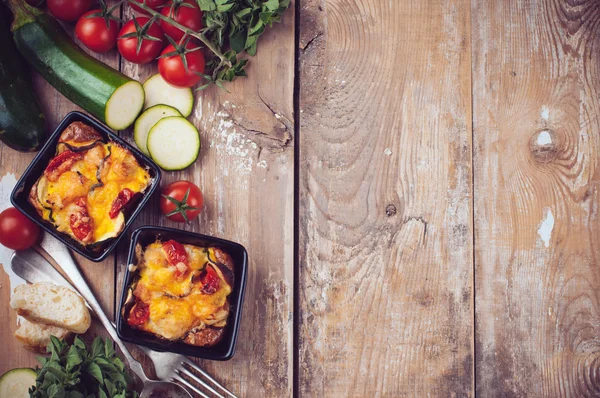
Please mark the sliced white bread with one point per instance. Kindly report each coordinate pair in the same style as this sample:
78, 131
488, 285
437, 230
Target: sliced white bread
51, 305
35, 336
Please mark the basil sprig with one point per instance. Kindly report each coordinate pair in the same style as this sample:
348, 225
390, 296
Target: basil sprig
73, 371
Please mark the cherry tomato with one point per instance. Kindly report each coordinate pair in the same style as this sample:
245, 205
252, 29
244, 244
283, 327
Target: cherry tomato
81, 222
171, 68
209, 280
119, 203
173, 205
17, 232
139, 314
68, 10
61, 163
94, 34
190, 17
149, 50
154, 4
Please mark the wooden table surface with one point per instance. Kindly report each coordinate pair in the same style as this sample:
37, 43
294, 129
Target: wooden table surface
417, 185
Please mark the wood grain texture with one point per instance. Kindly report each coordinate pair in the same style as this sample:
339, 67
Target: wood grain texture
536, 140
385, 192
245, 171
101, 276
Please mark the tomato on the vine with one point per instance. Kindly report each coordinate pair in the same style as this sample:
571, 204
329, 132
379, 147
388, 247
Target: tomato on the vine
96, 32
181, 201
17, 232
154, 4
184, 12
173, 70
140, 40
68, 10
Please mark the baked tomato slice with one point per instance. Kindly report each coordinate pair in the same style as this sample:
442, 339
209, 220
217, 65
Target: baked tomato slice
61, 163
120, 202
177, 257
175, 252
139, 314
209, 280
81, 222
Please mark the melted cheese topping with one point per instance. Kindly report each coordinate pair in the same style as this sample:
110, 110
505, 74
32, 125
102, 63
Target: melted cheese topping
117, 168
69, 186
178, 305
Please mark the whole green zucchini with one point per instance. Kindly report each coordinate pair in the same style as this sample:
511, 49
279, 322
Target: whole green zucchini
21, 119
99, 89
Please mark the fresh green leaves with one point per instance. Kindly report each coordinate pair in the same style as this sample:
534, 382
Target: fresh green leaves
241, 21
72, 372
233, 27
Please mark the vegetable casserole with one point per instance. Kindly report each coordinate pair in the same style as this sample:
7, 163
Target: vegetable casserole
181, 292
86, 188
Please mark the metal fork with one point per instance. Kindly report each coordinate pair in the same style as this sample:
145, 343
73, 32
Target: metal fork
168, 366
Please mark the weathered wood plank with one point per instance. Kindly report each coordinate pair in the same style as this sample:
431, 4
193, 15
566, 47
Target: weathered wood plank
385, 190
100, 276
536, 139
245, 171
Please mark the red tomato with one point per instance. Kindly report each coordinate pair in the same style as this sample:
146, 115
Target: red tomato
173, 205
149, 49
81, 222
68, 10
17, 232
122, 199
171, 68
61, 163
190, 17
154, 4
209, 280
175, 252
94, 34
139, 314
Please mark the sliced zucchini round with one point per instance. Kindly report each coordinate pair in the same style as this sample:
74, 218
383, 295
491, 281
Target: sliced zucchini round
147, 119
124, 105
174, 143
16, 383
158, 91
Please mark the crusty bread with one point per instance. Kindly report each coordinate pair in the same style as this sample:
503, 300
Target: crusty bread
52, 305
35, 336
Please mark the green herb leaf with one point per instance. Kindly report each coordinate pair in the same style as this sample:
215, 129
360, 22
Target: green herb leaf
79, 343
97, 347
94, 370
109, 349
73, 357
207, 5
72, 371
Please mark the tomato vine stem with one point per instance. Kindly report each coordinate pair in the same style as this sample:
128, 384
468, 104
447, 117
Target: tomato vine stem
187, 31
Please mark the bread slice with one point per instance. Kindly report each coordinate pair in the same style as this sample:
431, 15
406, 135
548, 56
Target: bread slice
51, 305
35, 336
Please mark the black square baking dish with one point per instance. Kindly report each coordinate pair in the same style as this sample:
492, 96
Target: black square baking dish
19, 196
225, 348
